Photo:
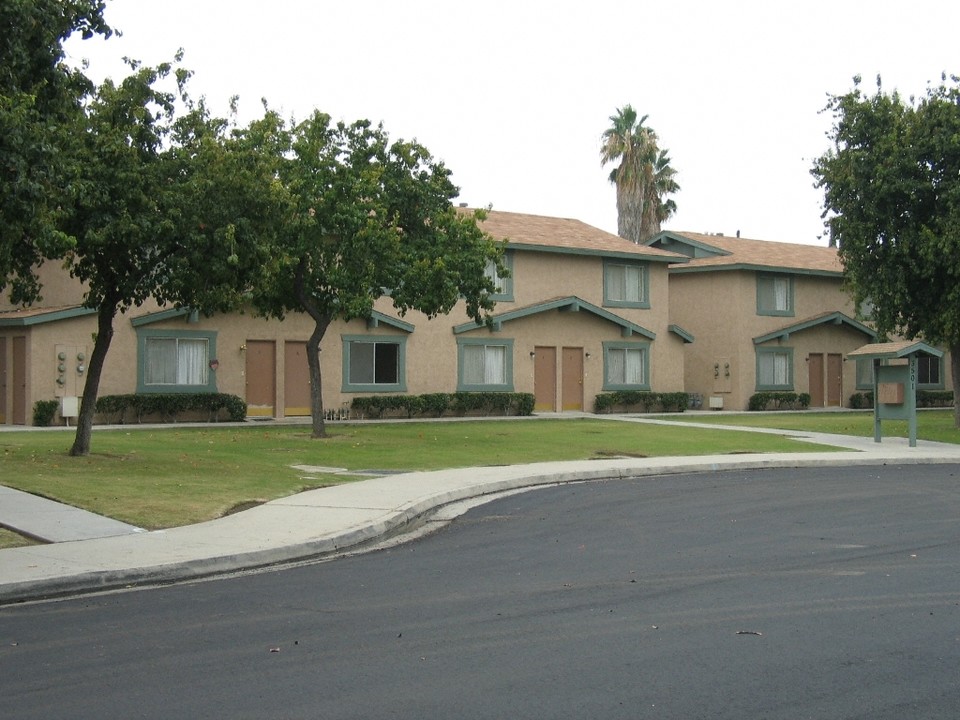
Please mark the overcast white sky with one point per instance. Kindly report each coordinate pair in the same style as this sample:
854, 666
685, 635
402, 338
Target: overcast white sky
514, 95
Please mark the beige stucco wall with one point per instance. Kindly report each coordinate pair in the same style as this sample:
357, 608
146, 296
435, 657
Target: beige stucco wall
719, 309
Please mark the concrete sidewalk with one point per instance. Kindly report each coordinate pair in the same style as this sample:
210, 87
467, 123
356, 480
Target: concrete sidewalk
329, 521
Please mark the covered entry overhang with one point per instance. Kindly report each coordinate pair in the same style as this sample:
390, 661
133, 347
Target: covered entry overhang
570, 304
895, 381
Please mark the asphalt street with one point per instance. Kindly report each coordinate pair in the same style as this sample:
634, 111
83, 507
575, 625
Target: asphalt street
794, 593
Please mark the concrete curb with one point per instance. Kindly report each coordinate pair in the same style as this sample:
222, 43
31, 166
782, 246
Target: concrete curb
324, 523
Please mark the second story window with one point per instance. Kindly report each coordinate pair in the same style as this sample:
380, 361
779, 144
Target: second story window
503, 283
626, 285
774, 295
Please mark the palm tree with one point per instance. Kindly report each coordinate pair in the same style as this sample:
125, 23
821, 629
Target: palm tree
659, 209
643, 176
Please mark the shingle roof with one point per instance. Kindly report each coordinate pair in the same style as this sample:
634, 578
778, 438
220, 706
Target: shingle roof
895, 349
762, 253
566, 235
38, 315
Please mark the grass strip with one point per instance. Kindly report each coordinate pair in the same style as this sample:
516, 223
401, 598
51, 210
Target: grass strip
165, 477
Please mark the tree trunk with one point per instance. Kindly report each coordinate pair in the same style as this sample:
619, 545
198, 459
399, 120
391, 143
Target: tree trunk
91, 386
955, 375
316, 394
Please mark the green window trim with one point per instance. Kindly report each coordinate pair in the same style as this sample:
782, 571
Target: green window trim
506, 284
612, 365
775, 294
465, 383
144, 336
864, 374
349, 352
620, 278
935, 366
786, 371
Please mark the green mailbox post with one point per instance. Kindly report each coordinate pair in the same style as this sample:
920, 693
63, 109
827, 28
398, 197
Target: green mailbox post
895, 381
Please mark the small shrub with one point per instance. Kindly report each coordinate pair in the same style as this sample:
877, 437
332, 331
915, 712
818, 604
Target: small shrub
778, 401
43, 412
640, 401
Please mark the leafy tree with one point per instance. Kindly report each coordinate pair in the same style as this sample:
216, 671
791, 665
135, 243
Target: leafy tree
40, 103
166, 206
643, 175
368, 217
892, 205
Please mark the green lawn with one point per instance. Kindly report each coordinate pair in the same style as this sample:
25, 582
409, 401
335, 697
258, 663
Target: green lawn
157, 478
935, 425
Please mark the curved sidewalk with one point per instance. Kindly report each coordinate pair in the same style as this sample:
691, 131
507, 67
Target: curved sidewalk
331, 520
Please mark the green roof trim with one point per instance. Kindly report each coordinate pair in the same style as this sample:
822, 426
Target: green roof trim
754, 267
377, 319
558, 250
40, 317
567, 304
159, 316
895, 350
667, 238
681, 333
834, 318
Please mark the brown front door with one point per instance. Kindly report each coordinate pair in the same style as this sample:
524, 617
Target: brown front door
572, 378
261, 369
834, 380
296, 380
19, 381
815, 371
3, 380
545, 379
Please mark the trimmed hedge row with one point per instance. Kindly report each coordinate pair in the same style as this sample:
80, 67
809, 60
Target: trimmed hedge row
171, 406
439, 404
779, 401
641, 401
925, 399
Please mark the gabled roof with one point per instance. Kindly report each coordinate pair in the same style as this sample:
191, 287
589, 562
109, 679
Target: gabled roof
377, 319
159, 316
37, 316
565, 304
894, 350
719, 252
564, 235
830, 318
681, 333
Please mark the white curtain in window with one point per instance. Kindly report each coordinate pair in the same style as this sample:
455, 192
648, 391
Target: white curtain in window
491, 272
634, 367
625, 283
191, 362
473, 364
616, 372
484, 364
495, 366
781, 294
781, 369
625, 366
633, 289
160, 361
